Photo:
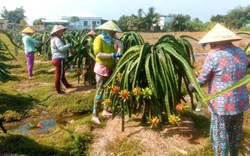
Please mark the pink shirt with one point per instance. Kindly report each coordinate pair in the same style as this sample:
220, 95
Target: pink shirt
102, 70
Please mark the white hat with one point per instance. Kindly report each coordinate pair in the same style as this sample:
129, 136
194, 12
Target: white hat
110, 25
57, 28
217, 34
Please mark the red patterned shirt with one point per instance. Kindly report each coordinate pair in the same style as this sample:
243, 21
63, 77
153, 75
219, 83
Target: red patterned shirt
224, 66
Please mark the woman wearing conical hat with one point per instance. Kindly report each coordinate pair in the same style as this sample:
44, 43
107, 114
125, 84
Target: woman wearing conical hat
29, 48
224, 65
59, 56
106, 56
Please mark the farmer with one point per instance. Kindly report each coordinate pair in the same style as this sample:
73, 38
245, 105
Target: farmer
105, 64
224, 65
59, 55
29, 48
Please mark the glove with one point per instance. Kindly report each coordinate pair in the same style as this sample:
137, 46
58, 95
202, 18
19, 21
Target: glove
115, 55
119, 54
191, 87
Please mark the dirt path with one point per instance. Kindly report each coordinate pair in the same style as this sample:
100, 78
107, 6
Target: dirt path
169, 140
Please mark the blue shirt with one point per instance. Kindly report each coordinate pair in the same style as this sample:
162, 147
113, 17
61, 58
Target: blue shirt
29, 43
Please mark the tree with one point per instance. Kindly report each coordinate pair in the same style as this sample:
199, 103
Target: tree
236, 18
23, 23
152, 18
218, 19
139, 21
125, 23
74, 19
179, 23
195, 25
38, 22
13, 16
247, 11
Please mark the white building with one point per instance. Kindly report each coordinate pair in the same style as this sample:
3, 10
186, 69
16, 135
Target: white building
165, 21
86, 21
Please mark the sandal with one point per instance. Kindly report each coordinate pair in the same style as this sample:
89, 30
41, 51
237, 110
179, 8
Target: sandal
106, 114
69, 86
96, 120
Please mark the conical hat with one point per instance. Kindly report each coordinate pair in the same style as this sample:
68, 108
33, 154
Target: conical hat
219, 33
28, 30
110, 25
57, 28
91, 32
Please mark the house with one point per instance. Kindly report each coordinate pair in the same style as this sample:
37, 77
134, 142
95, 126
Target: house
49, 24
165, 22
85, 21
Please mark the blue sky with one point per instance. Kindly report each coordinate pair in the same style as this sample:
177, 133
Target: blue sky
113, 9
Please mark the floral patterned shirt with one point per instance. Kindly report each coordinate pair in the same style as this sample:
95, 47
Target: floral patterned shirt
224, 66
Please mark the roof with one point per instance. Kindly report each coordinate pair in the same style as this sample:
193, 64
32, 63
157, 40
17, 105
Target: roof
56, 21
82, 14
85, 14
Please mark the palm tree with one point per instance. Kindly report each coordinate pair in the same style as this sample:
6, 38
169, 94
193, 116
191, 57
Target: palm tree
124, 22
139, 21
152, 18
179, 23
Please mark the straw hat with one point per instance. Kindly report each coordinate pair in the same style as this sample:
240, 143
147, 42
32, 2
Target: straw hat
217, 34
28, 30
57, 28
110, 25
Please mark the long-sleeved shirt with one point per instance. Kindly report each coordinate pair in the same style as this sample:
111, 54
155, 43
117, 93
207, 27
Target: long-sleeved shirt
29, 43
101, 46
224, 66
58, 48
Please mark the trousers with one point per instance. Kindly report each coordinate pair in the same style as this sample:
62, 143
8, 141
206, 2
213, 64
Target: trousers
226, 134
60, 74
30, 62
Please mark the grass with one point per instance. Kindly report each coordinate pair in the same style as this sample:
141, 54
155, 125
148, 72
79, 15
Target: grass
23, 94
23, 99
124, 147
63, 141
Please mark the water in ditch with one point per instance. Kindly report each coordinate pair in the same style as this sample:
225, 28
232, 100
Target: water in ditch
43, 126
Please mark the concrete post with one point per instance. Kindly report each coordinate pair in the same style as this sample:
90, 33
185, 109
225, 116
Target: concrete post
15, 38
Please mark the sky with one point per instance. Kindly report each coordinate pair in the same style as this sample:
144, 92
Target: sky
114, 9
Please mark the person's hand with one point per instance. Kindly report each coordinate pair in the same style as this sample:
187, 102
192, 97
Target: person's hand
191, 87
113, 55
116, 55
69, 45
119, 55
